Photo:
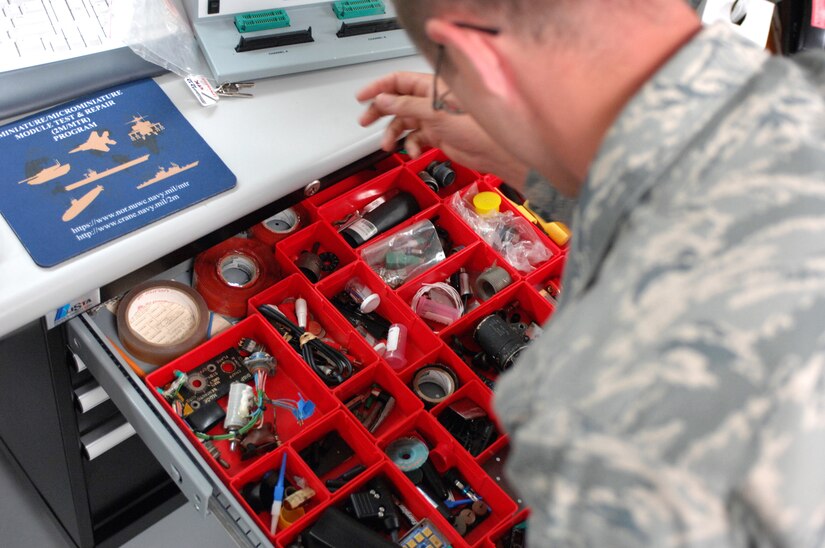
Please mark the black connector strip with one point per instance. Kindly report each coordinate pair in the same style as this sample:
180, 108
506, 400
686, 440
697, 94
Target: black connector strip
275, 40
368, 27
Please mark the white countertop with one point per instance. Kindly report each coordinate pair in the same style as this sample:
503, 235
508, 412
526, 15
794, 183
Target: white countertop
296, 129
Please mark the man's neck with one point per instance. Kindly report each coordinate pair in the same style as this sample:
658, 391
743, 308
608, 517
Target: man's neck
590, 88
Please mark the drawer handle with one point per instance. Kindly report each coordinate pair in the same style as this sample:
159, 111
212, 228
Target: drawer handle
89, 396
106, 437
79, 366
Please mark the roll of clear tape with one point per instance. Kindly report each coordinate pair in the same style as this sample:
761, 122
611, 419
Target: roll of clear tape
434, 383
158, 321
232, 272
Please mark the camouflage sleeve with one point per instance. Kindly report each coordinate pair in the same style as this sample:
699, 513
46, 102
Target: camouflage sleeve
752, 480
547, 201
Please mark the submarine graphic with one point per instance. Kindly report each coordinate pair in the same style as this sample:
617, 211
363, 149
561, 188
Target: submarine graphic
82, 203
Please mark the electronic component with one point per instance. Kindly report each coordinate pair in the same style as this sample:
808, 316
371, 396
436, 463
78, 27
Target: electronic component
498, 341
206, 417
470, 425
375, 504
261, 20
337, 39
491, 281
442, 173
424, 535
210, 381
259, 441
387, 215
238, 410
337, 529
326, 454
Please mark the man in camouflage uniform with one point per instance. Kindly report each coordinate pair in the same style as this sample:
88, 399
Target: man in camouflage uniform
677, 397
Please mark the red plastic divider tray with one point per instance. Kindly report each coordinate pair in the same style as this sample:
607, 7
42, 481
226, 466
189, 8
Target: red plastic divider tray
475, 261
345, 185
321, 311
481, 396
292, 380
413, 415
419, 338
441, 356
395, 180
363, 448
289, 251
463, 176
271, 465
381, 375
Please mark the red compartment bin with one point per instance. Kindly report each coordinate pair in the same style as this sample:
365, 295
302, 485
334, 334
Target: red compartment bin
331, 462
252, 486
359, 396
392, 182
328, 252
289, 381
463, 176
335, 330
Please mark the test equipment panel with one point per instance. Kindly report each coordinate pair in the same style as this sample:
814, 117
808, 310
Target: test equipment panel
241, 41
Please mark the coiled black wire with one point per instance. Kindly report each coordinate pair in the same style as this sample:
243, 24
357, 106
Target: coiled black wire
334, 368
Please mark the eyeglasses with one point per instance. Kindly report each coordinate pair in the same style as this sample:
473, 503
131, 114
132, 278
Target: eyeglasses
439, 100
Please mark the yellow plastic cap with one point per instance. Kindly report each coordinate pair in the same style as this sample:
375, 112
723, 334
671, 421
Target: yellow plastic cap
486, 202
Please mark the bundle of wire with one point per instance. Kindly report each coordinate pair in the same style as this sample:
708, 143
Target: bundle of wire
328, 363
301, 409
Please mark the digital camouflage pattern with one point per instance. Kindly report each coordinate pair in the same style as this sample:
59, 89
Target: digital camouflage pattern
677, 396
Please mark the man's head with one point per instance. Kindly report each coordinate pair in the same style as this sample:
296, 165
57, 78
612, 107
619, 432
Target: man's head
555, 73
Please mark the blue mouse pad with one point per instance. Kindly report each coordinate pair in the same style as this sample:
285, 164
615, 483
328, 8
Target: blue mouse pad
91, 170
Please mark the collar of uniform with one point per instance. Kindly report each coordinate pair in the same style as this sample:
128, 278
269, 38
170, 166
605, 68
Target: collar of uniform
699, 83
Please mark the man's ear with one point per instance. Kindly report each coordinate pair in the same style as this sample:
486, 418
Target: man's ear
483, 52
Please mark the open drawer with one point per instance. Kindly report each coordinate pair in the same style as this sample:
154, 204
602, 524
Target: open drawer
441, 390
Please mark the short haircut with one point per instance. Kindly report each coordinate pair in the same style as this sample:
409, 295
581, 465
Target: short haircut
525, 14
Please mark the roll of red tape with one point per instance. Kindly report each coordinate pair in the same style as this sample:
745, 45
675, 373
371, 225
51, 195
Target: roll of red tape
279, 226
159, 321
233, 271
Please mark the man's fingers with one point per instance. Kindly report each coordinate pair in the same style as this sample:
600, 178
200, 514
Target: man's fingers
400, 83
396, 128
404, 106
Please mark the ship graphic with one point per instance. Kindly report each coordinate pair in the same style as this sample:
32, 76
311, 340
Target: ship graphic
141, 129
47, 174
92, 175
165, 173
96, 141
82, 203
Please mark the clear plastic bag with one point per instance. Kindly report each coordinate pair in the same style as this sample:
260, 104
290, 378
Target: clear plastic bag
511, 235
159, 31
405, 254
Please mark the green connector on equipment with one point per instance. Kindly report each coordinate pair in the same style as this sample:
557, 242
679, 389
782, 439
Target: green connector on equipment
261, 20
347, 9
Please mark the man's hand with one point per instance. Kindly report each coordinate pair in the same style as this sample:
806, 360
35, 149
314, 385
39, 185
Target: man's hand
407, 97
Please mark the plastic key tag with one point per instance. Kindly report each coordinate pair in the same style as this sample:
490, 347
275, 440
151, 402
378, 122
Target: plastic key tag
202, 90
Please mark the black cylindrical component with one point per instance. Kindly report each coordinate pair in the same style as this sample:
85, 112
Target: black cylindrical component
498, 341
429, 181
392, 212
442, 172
311, 265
